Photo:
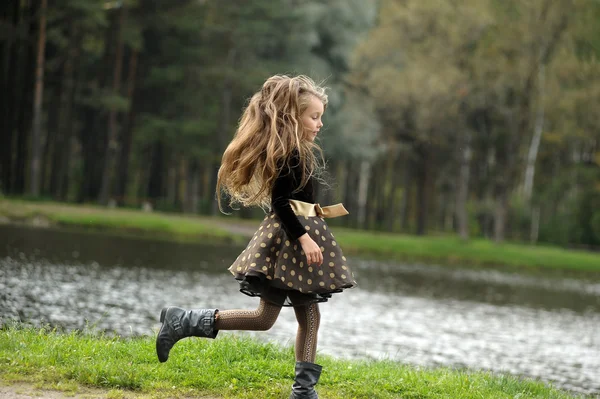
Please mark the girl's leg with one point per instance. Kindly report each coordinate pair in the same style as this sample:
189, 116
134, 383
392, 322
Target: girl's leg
309, 319
180, 323
306, 371
260, 319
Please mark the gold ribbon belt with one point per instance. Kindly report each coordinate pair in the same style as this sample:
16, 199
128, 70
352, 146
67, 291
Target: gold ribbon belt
307, 209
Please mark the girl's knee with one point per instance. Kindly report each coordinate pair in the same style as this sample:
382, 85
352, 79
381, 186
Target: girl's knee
267, 323
268, 314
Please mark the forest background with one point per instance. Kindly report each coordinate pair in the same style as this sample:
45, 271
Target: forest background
473, 117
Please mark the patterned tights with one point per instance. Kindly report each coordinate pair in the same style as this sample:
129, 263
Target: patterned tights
264, 317
309, 318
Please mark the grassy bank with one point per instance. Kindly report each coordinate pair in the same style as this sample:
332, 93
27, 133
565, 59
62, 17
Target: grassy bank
452, 250
441, 250
155, 224
228, 367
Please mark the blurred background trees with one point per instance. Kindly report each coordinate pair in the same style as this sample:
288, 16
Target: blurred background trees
476, 117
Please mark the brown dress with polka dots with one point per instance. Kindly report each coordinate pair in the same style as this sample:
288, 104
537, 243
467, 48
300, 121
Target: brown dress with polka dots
273, 265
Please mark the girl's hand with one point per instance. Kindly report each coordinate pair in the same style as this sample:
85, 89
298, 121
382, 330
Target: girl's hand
311, 250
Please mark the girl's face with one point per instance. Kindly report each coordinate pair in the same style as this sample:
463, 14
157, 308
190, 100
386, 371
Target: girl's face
311, 118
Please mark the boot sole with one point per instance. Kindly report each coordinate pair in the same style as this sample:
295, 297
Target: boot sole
163, 314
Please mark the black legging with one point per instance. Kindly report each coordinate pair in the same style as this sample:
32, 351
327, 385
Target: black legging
263, 318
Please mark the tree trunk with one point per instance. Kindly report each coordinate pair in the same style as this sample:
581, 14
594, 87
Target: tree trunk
172, 181
363, 192
146, 166
24, 96
193, 185
225, 121
373, 196
383, 185
422, 186
340, 181
519, 119
74, 84
208, 187
93, 134
407, 192
391, 202
127, 141
20, 159
58, 142
50, 148
500, 213
112, 144
156, 168
92, 144
536, 139
447, 214
187, 194
462, 216
535, 224
36, 136
63, 137
351, 200
10, 52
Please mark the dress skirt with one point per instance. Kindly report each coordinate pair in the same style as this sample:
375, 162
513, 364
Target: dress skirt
274, 267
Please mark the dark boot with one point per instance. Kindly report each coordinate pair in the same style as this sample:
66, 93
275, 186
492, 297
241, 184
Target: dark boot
307, 376
179, 323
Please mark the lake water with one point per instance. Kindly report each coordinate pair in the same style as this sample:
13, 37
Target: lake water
544, 328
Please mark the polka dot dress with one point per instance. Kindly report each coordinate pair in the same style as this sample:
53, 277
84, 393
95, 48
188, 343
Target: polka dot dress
278, 262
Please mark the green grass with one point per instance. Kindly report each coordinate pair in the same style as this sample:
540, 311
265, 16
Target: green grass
478, 252
228, 367
448, 250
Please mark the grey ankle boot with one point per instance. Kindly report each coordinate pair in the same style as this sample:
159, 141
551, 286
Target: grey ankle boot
307, 376
179, 323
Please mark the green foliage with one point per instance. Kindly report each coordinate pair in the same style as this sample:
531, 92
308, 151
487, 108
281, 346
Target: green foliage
82, 20
438, 73
409, 80
576, 198
324, 42
232, 367
586, 219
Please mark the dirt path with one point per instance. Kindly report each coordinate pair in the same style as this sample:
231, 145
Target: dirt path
29, 391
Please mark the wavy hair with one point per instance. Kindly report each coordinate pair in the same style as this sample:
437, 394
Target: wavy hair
269, 133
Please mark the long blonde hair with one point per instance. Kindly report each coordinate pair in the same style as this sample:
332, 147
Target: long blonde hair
269, 132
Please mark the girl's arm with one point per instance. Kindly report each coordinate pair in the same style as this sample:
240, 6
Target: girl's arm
284, 185
280, 200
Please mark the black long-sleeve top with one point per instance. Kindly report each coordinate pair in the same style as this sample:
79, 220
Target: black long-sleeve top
284, 189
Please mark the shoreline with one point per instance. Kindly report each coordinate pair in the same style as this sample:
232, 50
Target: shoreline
439, 250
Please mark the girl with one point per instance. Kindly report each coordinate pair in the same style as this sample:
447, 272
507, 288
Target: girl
293, 258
